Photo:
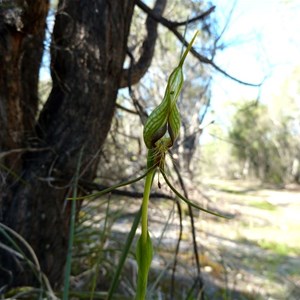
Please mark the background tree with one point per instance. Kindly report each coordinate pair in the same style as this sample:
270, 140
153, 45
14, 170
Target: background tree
87, 54
264, 142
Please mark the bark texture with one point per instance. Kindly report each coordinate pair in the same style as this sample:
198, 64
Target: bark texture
87, 54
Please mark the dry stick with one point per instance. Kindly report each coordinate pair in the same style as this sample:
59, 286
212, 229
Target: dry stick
195, 246
177, 249
92, 186
21, 150
192, 20
126, 109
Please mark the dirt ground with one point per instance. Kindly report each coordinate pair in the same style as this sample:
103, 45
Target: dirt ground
255, 254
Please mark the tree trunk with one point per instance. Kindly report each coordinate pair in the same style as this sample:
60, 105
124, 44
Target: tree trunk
87, 54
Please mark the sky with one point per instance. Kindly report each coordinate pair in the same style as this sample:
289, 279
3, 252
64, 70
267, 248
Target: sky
263, 43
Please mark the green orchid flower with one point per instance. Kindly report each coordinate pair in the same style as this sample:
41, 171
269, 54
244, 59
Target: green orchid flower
165, 118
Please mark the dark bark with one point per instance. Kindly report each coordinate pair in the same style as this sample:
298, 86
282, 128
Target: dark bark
22, 27
138, 69
87, 55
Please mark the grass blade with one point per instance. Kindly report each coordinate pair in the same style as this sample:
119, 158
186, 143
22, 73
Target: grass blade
111, 188
187, 200
72, 230
124, 254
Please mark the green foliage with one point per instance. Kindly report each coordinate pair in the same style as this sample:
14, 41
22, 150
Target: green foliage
263, 205
144, 255
250, 131
257, 142
15, 245
266, 136
279, 248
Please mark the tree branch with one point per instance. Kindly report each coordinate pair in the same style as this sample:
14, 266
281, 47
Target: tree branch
130, 111
92, 186
168, 24
133, 74
22, 150
192, 20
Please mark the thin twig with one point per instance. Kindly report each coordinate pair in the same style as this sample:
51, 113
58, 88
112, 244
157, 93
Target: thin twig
181, 38
176, 250
195, 246
192, 20
21, 150
126, 109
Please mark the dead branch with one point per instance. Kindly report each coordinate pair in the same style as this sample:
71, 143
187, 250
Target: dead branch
133, 75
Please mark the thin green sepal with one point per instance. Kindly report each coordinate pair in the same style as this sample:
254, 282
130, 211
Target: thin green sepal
111, 188
187, 200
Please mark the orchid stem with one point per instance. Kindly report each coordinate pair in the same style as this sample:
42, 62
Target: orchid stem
147, 190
